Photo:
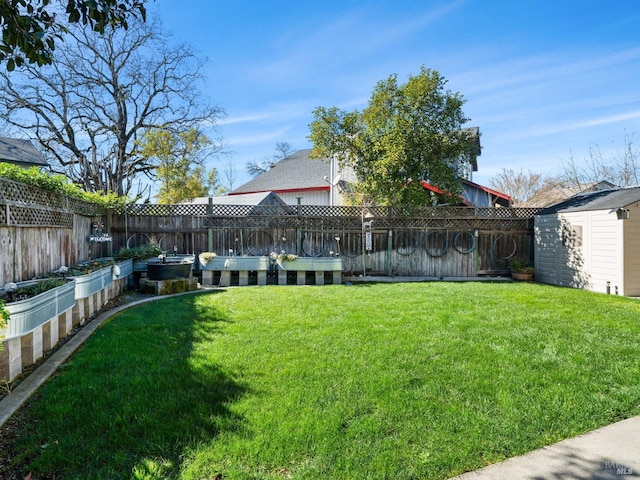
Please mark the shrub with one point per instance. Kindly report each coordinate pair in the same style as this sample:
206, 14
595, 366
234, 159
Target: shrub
518, 266
58, 184
142, 252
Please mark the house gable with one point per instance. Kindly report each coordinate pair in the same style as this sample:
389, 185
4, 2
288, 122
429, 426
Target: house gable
20, 152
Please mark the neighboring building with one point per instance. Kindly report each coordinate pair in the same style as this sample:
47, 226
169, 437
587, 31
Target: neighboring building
591, 241
558, 192
300, 180
20, 152
472, 166
251, 199
474, 195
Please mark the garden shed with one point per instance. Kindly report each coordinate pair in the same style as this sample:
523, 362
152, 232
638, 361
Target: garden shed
591, 241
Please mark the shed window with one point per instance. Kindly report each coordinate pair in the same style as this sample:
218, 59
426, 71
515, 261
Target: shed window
572, 236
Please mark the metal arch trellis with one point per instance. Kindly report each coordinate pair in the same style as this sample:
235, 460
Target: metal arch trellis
313, 244
259, 243
130, 243
457, 242
438, 235
494, 247
406, 243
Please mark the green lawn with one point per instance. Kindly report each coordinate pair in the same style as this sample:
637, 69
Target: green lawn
379, 381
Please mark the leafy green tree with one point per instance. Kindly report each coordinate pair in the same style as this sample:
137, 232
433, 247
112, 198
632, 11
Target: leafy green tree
179, 164
30, 28
408, 133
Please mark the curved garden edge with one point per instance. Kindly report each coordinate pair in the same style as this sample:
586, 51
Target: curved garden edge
29, 382
42, 321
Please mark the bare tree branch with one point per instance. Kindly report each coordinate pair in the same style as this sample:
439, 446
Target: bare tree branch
102, 93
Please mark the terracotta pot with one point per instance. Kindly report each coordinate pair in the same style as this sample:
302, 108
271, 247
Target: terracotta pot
522, 276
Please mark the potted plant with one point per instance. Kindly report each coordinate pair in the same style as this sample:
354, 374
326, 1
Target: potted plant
521, 271
206, 257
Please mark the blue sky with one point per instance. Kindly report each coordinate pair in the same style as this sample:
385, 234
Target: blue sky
543, 80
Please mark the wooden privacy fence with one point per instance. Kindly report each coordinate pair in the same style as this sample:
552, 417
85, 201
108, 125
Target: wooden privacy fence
41, 231
429, 242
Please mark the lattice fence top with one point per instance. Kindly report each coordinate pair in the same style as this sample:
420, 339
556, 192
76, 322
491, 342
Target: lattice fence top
26, 205
317, 211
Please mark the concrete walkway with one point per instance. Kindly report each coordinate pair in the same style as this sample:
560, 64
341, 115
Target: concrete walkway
611, 452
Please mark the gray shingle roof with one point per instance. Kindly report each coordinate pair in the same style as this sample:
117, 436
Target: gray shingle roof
258, 198
295, 172
601, 200
22, 152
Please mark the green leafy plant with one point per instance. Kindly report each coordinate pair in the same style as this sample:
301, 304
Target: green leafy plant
142, 252
4, 315
287, 257
59, 184
518, 266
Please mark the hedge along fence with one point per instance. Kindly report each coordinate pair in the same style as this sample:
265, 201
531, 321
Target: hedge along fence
430, 242
41, 230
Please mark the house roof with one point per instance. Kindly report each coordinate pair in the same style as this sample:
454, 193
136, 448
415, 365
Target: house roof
258, 198
501, 198
21, 152
601, 200
488, 190
294, 173
558, 192
298, 172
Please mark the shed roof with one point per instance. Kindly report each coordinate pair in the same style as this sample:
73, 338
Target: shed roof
295, 172
21, 152
600, 200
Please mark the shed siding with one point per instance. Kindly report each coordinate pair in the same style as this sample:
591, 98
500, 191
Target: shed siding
574, 260
631, 265
580, 250
606, 251
546, 254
